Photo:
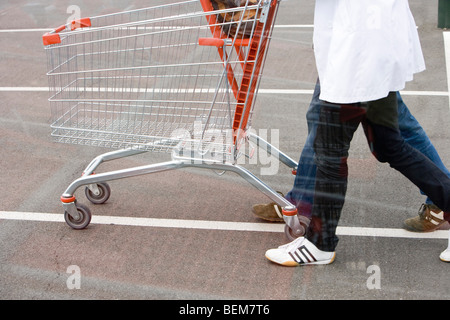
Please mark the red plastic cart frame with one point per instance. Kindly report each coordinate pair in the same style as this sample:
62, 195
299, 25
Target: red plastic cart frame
245, 90
54, 38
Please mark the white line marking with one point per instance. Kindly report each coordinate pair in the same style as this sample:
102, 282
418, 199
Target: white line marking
390, 233
447, 57
425, 93
293, 26
24, 89
282, 26
220, 225
25, 30
261, 91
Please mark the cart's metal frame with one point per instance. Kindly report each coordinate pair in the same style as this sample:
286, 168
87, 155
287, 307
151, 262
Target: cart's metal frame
77, 215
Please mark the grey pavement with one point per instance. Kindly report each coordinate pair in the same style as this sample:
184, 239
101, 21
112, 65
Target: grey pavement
142, 262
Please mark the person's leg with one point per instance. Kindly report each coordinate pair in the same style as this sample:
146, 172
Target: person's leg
412, 164
302, 192
382, 131
413, 134
430, 217
334, 132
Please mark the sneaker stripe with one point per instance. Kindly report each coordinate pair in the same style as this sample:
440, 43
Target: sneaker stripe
302, 255
275, 206
296, 257
307, 252
438, 217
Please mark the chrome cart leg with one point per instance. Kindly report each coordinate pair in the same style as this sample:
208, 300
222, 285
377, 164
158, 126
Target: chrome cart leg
99, 193
77, 215
294, 228
119, 174
271, 150
110, 156
295, 225
70, 208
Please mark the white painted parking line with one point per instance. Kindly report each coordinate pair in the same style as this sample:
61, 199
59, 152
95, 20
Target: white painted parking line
260, 91
281, 26
25, 30
447, 56
24, 89
219, 225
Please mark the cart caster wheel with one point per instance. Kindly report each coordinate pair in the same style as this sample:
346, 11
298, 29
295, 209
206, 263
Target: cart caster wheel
84, 219
102, 197
291, 235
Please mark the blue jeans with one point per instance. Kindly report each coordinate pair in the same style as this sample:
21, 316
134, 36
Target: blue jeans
336, 127
302, 193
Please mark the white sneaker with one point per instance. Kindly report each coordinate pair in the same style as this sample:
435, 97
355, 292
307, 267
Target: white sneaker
299, 252
445, 255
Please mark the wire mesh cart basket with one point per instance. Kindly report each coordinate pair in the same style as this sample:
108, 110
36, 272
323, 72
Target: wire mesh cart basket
179, 78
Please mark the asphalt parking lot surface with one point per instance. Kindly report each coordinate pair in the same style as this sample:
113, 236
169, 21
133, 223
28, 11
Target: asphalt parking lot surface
218, 250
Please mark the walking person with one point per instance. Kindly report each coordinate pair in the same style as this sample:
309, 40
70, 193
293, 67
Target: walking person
429, 218
365, 50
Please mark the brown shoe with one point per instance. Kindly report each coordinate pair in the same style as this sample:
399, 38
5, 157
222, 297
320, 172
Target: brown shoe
430, 218
269, 212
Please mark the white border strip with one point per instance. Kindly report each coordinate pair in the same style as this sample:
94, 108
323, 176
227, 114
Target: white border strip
446, 35
220, 225
260, 91
25, 30
282, 26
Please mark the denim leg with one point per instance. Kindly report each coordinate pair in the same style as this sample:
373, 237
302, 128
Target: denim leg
302, 193
389, 146
415, 136
334, 133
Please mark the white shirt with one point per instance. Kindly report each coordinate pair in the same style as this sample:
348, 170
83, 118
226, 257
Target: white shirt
365, 48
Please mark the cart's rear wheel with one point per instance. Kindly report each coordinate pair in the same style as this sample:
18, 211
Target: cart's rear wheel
291, 235
102, 197
83, 220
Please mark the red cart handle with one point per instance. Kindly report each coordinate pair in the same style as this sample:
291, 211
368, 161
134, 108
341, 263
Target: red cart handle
215, 42
53, 36
220, 42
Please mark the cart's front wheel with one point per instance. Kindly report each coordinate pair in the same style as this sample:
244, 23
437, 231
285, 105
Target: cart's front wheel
83, 220
104, 191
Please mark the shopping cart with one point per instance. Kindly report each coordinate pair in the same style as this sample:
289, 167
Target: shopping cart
179, 78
